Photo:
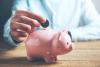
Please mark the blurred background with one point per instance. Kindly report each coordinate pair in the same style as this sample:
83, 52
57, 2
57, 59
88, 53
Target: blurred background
97, 4
5, 11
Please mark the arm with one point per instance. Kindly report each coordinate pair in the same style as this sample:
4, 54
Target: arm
90, 31
22, 23
18, 4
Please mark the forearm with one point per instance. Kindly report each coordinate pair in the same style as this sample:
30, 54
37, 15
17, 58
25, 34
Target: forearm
89, 28
86, 33
18, 5
7, 37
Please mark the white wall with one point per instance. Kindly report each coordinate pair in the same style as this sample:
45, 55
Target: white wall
97, 4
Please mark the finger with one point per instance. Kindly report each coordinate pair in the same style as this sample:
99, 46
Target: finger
19, 35
26, 20
30, 15
21, 26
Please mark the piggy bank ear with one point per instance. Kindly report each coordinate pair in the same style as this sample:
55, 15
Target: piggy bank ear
66, 42
56, 46
60, 45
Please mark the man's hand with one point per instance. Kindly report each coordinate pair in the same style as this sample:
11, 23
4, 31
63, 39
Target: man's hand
22, 23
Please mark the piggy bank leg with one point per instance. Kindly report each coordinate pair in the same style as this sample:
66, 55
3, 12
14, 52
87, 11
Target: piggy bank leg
29, 58
50, 59
35, 59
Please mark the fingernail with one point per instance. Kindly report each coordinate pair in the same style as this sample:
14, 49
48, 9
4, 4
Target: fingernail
38, 24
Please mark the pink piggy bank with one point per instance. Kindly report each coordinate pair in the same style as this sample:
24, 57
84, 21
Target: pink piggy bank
43, 43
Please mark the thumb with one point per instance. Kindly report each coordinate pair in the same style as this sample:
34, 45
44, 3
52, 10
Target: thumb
30, 15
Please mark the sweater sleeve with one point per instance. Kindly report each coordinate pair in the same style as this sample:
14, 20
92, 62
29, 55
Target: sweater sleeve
18, 5
91, 29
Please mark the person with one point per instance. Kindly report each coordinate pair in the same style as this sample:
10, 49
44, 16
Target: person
80, 18
5, 13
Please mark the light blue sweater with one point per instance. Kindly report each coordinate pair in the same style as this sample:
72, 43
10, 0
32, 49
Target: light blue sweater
78, 16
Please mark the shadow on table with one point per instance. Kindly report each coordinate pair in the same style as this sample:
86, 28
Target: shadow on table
5, 47
22, 61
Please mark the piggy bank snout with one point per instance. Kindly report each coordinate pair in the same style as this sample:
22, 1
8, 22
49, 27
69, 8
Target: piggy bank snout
61, 48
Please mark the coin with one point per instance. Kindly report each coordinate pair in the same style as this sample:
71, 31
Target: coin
46, 24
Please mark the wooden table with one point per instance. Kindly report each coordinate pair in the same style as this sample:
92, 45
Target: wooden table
85, 54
